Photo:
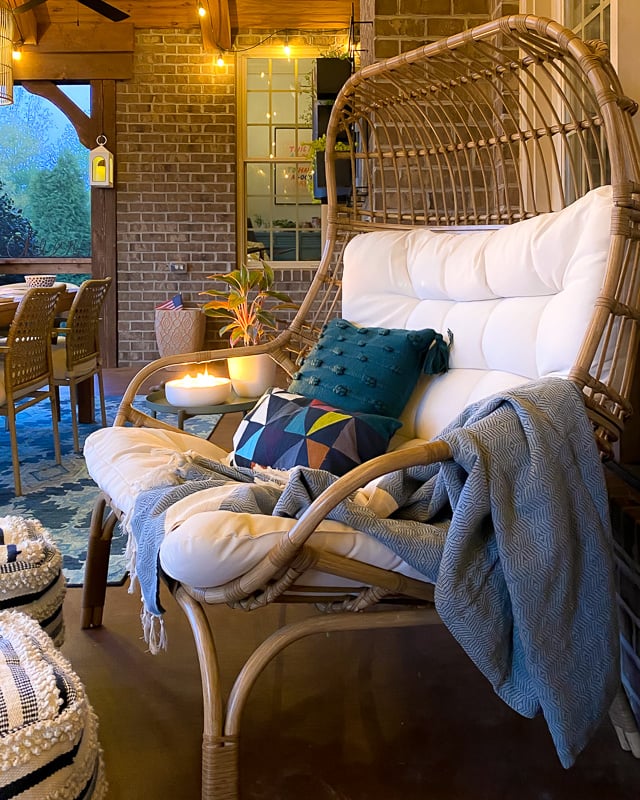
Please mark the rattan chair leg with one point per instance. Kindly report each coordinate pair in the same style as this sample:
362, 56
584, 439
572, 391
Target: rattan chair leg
97, 564
219, 768
73, 397
55, 416
103, 408
219, 755
15, 461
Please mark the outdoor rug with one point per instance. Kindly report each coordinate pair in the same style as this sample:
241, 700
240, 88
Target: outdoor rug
62, 497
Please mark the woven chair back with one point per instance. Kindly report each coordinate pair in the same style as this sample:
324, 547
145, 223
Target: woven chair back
494, 125
28, 360
82, 329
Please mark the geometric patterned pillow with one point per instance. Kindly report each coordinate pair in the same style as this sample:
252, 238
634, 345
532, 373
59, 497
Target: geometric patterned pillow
286, 430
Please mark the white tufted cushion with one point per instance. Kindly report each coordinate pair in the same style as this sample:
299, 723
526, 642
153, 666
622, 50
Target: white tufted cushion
124, 461
518, 299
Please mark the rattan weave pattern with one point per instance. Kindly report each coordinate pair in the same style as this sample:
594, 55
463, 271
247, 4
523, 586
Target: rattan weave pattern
28, 365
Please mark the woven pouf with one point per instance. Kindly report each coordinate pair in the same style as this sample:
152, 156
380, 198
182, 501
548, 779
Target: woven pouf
49, 747
31, 577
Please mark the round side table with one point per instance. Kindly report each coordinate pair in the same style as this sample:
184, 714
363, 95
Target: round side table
156, 401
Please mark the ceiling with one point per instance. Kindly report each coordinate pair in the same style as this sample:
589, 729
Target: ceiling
242, 14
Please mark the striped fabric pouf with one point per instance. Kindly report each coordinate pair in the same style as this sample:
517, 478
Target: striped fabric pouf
49, 747
31, 577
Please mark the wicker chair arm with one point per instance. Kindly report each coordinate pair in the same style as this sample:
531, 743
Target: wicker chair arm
428, 453
283, 554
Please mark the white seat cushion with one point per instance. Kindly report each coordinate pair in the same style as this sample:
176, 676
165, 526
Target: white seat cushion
209, 548
124, 461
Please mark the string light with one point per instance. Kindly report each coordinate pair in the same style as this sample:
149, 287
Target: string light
220, 59
287, 48
17, 52
202, 12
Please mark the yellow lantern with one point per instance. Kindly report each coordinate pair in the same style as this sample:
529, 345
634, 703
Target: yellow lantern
101, 165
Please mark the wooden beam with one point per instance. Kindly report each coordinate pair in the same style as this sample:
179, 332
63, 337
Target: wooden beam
98, 37
84, 126
72, 66
216, 26
103, 222
31, 25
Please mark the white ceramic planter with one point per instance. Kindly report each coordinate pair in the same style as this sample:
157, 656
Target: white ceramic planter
251, 376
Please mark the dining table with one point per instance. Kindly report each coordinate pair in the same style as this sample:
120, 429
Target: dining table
10, 296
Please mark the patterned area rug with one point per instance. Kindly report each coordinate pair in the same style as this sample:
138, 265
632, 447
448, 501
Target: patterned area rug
62, 497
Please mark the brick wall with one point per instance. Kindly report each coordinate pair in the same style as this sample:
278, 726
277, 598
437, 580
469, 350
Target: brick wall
176, 180
176, 126
402, 25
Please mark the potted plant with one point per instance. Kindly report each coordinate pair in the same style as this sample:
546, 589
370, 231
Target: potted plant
247, 307
317, 177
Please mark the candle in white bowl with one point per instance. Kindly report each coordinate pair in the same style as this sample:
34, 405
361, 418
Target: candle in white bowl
199, 390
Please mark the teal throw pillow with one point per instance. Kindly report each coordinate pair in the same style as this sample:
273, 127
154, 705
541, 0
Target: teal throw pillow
371, 370
286, 430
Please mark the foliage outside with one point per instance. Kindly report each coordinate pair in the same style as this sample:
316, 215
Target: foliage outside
242, 305
44, 186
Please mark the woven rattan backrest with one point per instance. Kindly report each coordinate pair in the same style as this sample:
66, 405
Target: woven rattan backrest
82, 329
503, 122
28, 361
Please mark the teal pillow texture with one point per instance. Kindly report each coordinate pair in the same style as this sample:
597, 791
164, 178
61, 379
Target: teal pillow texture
286, 430
372, 370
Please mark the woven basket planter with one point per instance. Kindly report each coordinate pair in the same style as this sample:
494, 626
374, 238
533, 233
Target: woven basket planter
31, 578
179, 330
48, 730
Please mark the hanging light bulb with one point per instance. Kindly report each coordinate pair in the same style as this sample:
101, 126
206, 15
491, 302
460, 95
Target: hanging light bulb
287, 48
6, 50
202, 12
220, 59
17, 51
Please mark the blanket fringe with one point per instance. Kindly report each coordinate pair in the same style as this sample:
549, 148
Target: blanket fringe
153, 631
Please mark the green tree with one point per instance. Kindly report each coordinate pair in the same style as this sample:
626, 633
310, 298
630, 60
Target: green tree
17, 237
59, 208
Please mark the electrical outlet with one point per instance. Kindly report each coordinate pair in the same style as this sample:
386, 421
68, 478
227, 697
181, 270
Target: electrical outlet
177, 267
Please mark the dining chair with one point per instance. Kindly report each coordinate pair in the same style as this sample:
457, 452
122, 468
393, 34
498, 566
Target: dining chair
76, 352
26, 367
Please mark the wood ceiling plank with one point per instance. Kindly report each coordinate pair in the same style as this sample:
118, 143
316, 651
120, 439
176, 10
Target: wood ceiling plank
243, 14
34, 66
27, 30
104, 37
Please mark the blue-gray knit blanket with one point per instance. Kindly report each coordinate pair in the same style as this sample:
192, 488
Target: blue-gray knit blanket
522, 568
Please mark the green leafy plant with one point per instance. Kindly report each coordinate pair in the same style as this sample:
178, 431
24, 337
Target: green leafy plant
242, 305
316, 146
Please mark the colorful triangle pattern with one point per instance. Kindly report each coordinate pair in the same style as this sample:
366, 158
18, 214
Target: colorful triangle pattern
285, 430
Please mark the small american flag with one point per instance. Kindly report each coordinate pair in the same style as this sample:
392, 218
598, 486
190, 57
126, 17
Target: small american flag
173, 304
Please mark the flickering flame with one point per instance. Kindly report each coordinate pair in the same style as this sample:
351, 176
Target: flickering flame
199, 380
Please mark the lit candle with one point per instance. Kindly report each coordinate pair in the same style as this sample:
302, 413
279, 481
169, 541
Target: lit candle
100, 170
199, 390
